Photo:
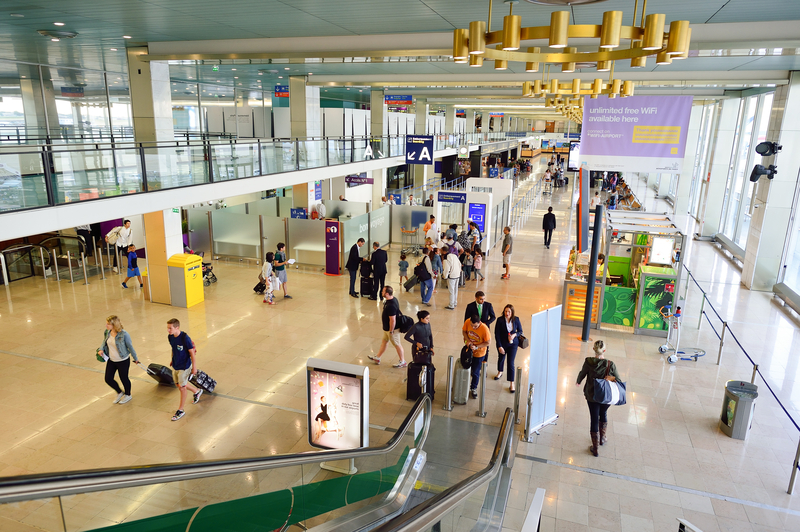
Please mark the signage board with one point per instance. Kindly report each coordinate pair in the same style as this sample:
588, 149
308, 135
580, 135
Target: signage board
282, 91
358, 179
463, 151
72, 92
573, 162
398, 99
635, 134
496, 115
338, 404
397, 198
332, 247
317, 190
477, 214
494, 172
419, 149
451, 197
298, 213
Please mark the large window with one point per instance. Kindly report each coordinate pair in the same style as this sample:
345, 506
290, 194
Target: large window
701, 160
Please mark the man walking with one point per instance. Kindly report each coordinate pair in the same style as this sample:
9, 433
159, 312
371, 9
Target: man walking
391, 334
507, 247
476, 336
184, 364
451, 270
378, 261
280, 268
548, 224
124, 237
353, 262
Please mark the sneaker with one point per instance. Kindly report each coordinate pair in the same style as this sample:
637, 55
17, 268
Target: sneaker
400, 365
287, 297
270, 302
125, 399
197, 397
124, 285
428, 304
115, 269
377, 360
448, 307
474, 393
120, 395
179, 414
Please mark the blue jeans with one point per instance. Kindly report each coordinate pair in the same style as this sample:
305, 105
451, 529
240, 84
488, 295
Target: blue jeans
475, 369
353, 281
426, 289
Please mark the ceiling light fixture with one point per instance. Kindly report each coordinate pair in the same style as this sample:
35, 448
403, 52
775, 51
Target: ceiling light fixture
17, 15
57, 34
127, 37
58, 23
113, 49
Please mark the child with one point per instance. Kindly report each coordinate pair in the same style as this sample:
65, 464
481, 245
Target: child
133, 268
266, 273
403, 265
468, 262
478, 264
183, 363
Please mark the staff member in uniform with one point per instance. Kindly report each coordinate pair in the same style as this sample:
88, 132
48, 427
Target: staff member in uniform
378, 261
353, 262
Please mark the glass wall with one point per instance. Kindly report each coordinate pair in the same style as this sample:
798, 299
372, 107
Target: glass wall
702, 155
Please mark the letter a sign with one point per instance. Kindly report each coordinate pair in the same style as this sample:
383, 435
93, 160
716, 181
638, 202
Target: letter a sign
419, 149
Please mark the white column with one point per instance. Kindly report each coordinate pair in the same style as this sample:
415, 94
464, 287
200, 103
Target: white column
772, 216
378, 114
421, 120
713, 189
450, 119
151, 98
471, 120
304, 108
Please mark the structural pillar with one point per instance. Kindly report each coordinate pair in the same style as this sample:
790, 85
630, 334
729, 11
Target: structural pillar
151, 101
772, 216
304, 108
471, 115
378, 114
450, 119
163, 238
38, 101
421, 120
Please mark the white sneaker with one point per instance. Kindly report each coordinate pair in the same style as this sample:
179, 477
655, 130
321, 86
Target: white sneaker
115, 269
120, 395
125, 399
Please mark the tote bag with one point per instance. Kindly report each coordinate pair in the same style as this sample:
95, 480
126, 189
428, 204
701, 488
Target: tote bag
608, 392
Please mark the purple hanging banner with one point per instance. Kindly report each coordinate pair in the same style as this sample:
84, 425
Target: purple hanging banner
635, 134
332, 247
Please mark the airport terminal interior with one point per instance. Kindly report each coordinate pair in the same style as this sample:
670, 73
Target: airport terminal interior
227, 142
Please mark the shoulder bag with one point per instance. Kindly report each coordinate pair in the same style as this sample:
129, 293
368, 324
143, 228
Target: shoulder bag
608, 390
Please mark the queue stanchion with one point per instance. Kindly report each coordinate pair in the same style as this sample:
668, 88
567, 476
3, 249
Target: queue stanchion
85, 275
41, 258
55, 265
69, 265
102, 269
448, 402
721, 341
753, 377
482, 411
702, 309
794, 470
517, 394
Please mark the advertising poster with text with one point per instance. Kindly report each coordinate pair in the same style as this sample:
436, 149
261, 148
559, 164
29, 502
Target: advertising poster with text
635, 134
335, 410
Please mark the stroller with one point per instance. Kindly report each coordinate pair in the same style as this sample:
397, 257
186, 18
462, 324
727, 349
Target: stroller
208, 274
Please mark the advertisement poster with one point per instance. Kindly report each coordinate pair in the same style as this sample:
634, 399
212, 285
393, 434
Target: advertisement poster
419, 149
574, 162
332, 255
338, 404
477, 214
317, 190
635, 134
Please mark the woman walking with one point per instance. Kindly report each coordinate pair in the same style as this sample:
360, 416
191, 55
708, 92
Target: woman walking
507, 331
117, 349
597, 367
269, 279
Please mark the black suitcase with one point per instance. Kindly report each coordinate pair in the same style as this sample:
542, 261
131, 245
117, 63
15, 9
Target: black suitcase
260, 288
411, 283
413, 390
161, 374
366, 286
365, 269
202, 380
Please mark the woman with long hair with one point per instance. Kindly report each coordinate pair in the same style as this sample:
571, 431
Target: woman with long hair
117, 350
507, 331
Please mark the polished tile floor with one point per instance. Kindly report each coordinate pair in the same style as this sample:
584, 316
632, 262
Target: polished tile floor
665, 458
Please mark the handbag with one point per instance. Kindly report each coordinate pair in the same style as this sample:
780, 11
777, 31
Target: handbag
524, 343
609, 392
261, 278
100, 358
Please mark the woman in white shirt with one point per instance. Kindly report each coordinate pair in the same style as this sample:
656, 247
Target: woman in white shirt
116, 350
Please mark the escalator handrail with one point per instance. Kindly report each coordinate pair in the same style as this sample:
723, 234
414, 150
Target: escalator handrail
81, 242
47, 485
425, 515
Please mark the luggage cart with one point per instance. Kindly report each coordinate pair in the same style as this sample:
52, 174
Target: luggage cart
410, 241
674, 324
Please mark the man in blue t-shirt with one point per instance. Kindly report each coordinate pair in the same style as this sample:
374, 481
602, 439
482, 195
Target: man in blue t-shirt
183, 364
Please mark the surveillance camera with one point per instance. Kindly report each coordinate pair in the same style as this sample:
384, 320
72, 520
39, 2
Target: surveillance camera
765, 149
759, 170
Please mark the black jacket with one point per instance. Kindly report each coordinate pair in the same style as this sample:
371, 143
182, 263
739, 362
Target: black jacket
378, 261
595, 368
354, 259
428, 202
488, 312
549, 221
501, 333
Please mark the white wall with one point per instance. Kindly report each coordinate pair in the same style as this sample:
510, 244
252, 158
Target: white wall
214, 118
283, 125
361, 193
334, 122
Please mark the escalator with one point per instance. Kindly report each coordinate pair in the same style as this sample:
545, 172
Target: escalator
270, 493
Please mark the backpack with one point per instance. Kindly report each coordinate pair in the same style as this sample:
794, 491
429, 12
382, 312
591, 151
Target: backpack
404, 323
113, 235
463, 239
422, 272
466, 357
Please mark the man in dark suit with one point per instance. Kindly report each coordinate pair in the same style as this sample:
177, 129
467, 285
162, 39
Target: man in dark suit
378, 261
429, 201
482, 308
353, 262
548, 224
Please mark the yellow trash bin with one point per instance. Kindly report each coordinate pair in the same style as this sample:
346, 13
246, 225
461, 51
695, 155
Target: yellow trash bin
185, 279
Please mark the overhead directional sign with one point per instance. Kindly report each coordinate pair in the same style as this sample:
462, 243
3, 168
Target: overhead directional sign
452, 197
419, 149
282, 91
398, 99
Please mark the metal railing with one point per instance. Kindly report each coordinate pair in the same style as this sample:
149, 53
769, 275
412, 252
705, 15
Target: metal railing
45, 175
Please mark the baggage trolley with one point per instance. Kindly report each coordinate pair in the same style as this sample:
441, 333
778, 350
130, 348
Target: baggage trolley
674, 324
410, 241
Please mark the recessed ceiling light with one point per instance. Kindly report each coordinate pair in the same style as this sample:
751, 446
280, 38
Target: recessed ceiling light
18, 15
233, 69
126, 37
55, 40
260, 73
310, 73
286, 68
113, 49
235, 77
23, 76
58, 23
280, 77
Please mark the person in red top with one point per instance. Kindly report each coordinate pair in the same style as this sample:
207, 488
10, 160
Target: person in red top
476, 337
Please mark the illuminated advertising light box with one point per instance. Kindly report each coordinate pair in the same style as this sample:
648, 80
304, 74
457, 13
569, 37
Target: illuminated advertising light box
338, 404
574, 163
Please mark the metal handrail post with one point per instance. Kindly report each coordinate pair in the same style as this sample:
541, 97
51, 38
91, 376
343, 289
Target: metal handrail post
3, 267
753, 377
85, 275
794, 470
526, 437
55, 265
119, 259
69, 265
517, 394
482, 411
41, 258
448, 402
721, 341
100, 256
702, 309
94, 243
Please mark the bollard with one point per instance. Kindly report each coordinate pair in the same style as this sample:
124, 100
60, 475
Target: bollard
721, 341
526, 437
448, 401
55, 265
85, 275
3, 267
69, 265
102, 270
755, 370
702, 309
41, 258
482, 411
794, 470
517, 393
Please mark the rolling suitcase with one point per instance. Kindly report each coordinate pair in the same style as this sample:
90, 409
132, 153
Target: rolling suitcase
460, 384
411, 283
413, 389
202, 380
260, 288
461, 281
366, 286
161, 374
